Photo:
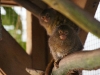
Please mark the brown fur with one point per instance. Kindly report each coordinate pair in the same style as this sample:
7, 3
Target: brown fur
62, 47
50, 19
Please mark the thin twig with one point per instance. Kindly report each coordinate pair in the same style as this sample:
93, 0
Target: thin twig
2, 72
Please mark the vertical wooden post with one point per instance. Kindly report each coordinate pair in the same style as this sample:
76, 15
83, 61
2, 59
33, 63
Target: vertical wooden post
29, 33
37, 43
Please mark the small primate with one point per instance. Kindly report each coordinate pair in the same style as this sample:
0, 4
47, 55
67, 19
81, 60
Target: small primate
63, 41
50, 18
63, 36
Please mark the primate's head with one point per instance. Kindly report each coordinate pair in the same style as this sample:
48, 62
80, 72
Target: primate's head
64, 32
47, 16
47, 19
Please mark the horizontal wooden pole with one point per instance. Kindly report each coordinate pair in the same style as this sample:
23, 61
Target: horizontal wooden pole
76, 14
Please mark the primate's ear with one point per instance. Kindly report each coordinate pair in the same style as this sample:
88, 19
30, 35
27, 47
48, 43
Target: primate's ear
52, 9
75, 28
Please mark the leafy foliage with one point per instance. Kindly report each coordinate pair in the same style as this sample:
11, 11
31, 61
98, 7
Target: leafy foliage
11, 18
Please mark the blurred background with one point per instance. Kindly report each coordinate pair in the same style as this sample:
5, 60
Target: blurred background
14, 20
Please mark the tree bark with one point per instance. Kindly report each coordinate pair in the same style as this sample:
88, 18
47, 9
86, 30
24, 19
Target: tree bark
82, 60
13, 59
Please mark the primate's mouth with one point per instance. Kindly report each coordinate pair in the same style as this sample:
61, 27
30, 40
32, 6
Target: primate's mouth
62, 37
46, 20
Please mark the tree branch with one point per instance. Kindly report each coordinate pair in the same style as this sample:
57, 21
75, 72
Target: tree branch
82, 60
76, 14
34, 72
30, 6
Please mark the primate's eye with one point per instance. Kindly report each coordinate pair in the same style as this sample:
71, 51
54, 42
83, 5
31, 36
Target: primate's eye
66, 32
47, 14
42, 17
60, 31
